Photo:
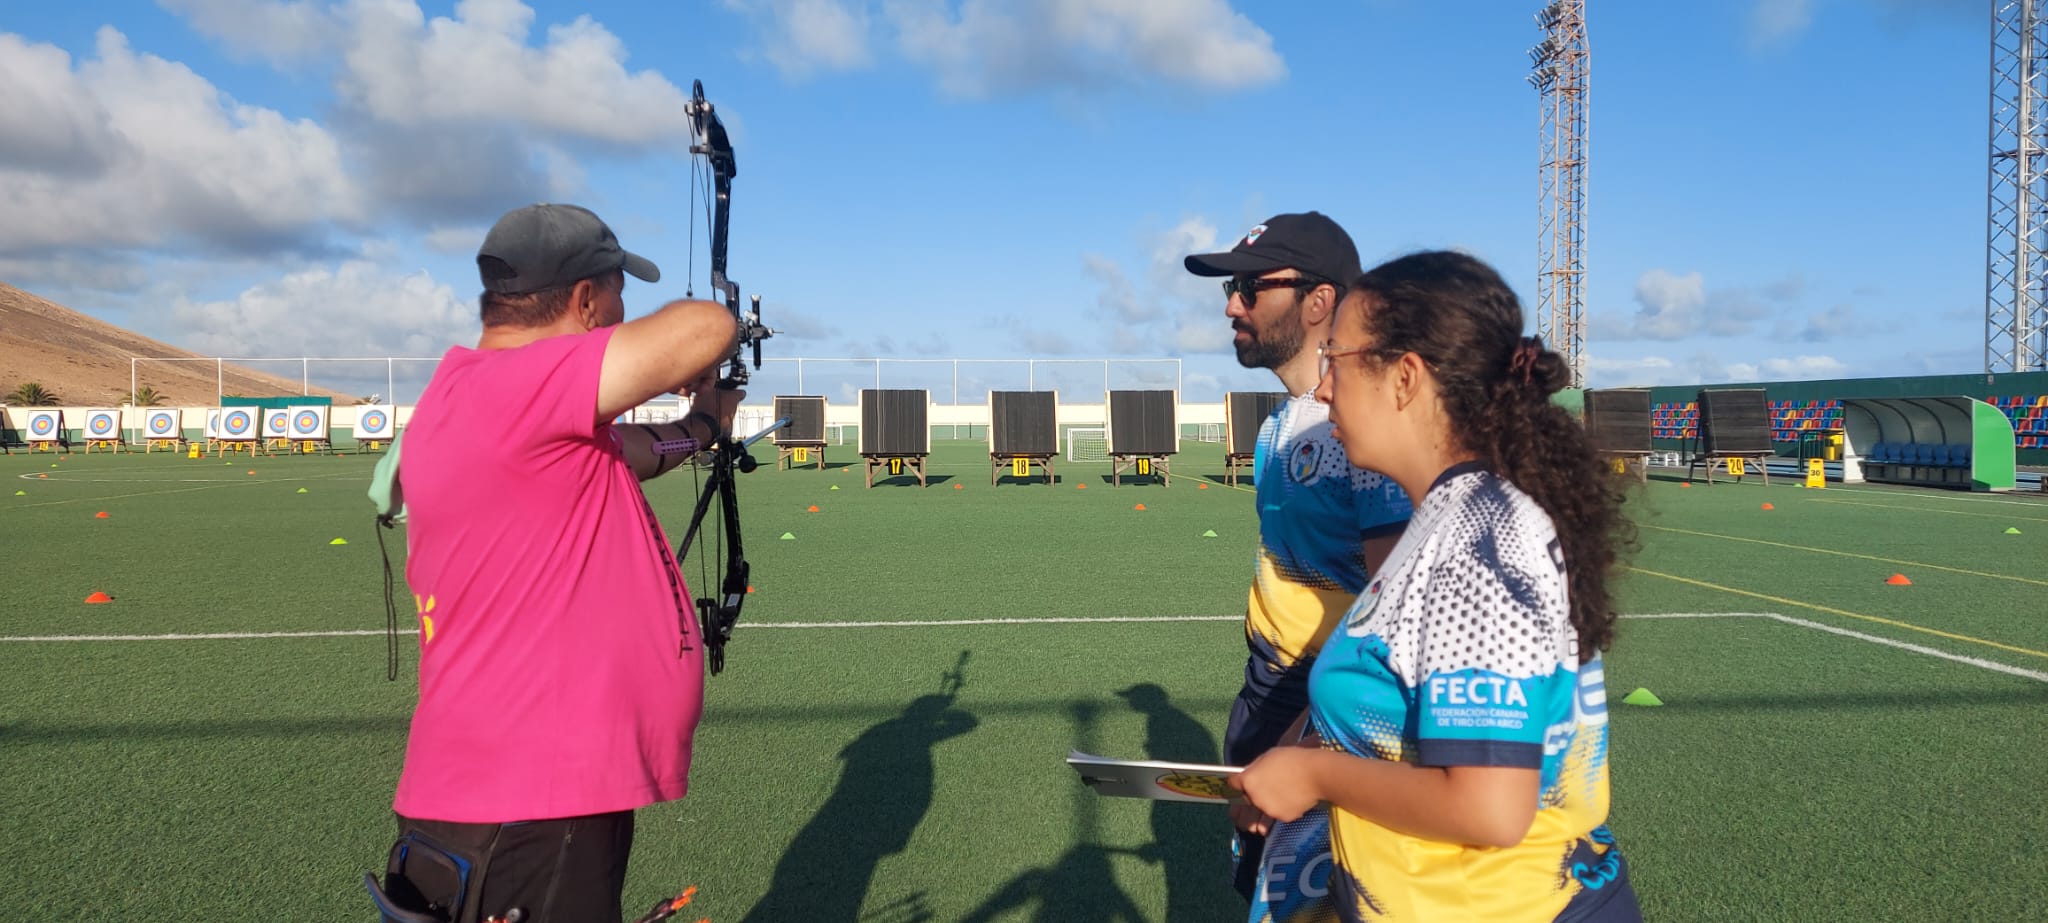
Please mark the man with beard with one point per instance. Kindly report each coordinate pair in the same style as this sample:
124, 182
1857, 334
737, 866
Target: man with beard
1324, 526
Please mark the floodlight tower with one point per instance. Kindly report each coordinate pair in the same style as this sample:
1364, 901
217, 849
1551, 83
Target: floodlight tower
1562, 63
2016, 275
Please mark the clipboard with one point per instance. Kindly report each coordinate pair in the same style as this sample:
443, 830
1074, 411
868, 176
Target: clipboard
1154, 779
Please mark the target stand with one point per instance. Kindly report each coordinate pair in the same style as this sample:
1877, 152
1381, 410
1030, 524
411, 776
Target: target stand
1144, 434
1735, 431
1141, 466
1617, 422
894, 432
802, 442
307, 431
1020, 466
896, 465
103, 431
1023, 431
1243, 413
237, 430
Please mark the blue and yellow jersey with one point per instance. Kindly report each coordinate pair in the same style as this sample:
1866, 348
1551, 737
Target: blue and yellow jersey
1315, 513
1461, 652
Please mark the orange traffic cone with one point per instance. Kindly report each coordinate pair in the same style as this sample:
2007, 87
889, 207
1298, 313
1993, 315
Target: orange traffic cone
100, 515
813, 509
1769, 507
98, 597
1898, 580
1140, 507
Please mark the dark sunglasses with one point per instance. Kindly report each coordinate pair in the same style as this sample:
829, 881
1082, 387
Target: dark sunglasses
1249, 288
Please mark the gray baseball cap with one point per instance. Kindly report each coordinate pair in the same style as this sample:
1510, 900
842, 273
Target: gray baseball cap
546, 246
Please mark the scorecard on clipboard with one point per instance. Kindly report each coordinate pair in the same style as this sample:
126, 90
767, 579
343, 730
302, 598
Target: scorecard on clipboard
1154, 779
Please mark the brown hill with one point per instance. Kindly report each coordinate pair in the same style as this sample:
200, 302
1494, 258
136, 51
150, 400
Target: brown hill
84, 361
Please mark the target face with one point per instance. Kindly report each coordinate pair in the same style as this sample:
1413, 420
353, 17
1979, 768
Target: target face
276, 423
374, 420
100, 424
42, 424
306, 422
160, 424
237, 422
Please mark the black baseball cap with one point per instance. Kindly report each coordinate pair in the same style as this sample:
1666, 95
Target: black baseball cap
546, 246
1306, 241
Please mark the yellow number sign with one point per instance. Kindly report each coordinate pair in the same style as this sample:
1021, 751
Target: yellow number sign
1621, 466
800, 455
1816, 474
895, 466
1020, 466
1735, 467
1144, 466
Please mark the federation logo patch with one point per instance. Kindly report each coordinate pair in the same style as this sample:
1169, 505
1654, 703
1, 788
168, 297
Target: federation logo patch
1252, 236
1305, 467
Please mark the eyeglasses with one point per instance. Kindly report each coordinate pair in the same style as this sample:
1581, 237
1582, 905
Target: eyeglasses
1328, 350
1249, 289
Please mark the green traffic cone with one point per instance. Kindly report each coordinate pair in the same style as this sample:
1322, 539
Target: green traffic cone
788, 537
21, 493
2012, 530
339, 541
1209, 534
1642, 697
833, 487
302, 490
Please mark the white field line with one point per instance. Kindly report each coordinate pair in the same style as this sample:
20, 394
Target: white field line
1977, 662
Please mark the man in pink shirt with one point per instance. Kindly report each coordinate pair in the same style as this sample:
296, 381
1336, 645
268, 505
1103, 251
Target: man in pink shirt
561, 664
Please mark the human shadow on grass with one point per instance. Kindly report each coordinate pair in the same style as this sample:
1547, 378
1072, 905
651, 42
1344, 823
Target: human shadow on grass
882, 796
1190, 841
1081, 887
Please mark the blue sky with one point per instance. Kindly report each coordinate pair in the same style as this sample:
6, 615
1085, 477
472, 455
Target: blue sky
1779, 189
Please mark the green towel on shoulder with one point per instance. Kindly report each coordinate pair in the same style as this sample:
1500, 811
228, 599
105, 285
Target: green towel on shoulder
385, 492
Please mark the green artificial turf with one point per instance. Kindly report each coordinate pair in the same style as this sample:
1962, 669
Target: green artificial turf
1794, 773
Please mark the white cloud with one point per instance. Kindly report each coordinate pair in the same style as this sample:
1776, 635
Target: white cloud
1773, 22
1118, 296
1604, 371
1801, 367
1834, 323
1174, 311
405, 70
1674, 307
803, 37
285, 33
983, 47
156, 154
1670, 304
444, 120
465, 239
354, 309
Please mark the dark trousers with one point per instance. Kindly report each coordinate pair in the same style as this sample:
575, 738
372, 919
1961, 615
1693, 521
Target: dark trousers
1265, 708
564, 870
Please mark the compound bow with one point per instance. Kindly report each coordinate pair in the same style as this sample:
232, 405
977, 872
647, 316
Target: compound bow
728, 456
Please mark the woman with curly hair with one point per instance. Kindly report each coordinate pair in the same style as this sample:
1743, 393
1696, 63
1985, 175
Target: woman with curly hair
1457, 717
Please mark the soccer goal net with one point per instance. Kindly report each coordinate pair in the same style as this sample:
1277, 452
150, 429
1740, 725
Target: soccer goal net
1088, 444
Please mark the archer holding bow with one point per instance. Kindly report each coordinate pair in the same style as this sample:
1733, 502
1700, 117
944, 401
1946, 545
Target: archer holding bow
561, 661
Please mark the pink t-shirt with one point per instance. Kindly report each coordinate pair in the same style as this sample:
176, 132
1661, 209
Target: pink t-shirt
561, 668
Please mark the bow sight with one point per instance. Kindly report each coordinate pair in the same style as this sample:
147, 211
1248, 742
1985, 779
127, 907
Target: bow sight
712, 143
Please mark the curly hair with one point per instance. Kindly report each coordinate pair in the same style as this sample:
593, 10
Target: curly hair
1457, 313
